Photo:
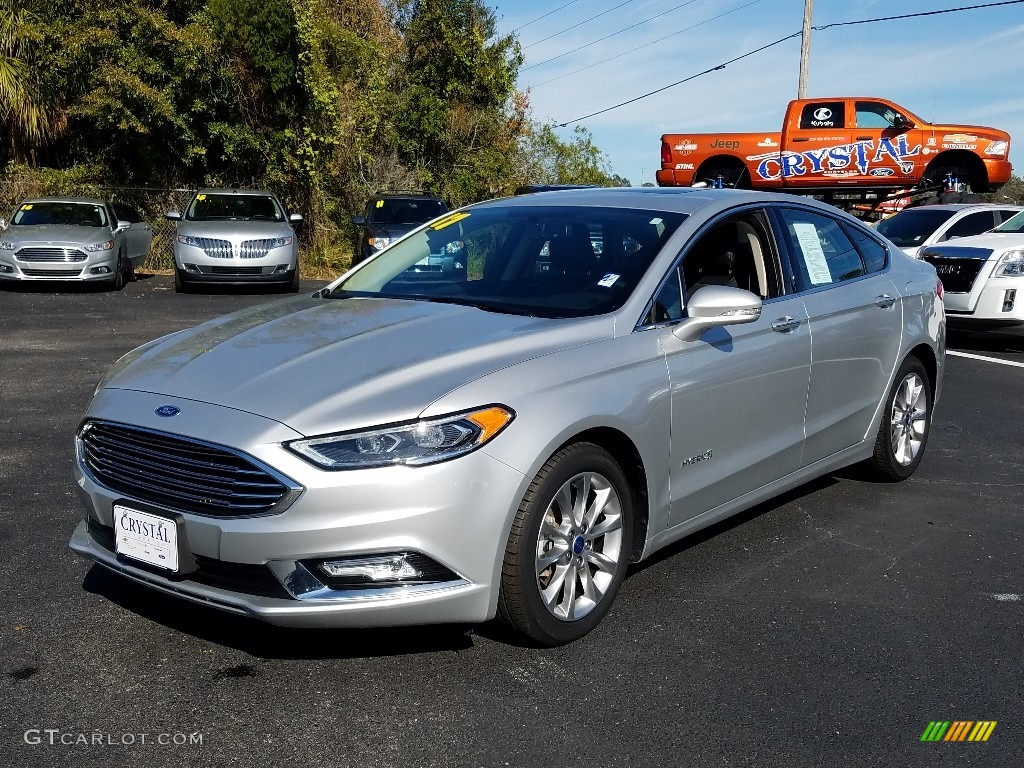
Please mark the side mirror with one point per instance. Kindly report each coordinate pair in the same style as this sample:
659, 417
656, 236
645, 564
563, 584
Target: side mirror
358, 221
173, 216
3, 223
295, 218
717, 305
123, 226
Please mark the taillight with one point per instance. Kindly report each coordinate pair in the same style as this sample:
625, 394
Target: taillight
666, 153
939, 290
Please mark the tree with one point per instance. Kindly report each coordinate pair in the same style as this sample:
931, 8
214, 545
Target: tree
547, 159
31, 117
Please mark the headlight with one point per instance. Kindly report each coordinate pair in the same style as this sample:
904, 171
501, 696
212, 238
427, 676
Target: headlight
1011, 264
996, 148
106, 245
426, 441
188, 240
380, 243
279, 242
6, 245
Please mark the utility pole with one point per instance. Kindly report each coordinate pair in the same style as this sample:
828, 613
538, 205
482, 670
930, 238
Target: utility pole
805, 49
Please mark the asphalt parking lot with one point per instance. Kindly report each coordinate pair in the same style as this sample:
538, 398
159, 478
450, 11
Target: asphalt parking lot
825, 628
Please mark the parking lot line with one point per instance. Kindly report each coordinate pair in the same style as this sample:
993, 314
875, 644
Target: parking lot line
986, 359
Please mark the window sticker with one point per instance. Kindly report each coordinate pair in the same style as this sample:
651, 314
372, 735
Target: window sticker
608, 280
380, 203
27, 207
814, 256
447, 221
200, 197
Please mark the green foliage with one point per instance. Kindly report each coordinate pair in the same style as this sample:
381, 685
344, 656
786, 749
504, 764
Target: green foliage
324, 101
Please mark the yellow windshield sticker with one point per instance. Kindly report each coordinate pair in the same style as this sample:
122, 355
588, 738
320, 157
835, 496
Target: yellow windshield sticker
447, 221
27, 207
200, 197
380, 203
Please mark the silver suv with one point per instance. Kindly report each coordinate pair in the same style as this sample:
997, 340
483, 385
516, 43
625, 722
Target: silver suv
232, 236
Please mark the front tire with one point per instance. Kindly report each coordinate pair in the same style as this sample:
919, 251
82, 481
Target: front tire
569, 546
906, 421
180, 286
117, 283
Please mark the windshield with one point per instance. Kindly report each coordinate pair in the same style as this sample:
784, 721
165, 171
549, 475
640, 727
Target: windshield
404, 210
70, 214
913, 227
1012, 224
543, 261
213, 207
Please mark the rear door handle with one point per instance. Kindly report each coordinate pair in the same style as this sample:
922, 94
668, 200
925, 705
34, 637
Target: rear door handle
800, 138
864, 138
885, 301
785, 324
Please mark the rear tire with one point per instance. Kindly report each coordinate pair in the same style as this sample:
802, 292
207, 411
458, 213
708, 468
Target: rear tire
905, 424
569, 546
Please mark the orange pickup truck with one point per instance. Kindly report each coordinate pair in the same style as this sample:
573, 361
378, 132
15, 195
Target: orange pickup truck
840, 144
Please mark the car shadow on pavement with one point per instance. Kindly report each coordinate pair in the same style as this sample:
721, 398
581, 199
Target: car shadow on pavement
266, 641
1010, 340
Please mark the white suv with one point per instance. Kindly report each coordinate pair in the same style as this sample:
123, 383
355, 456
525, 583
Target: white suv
913, 228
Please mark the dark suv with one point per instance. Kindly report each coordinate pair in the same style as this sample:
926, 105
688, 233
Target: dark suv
389, 215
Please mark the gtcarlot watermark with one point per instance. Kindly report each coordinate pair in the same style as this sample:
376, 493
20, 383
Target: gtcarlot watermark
54, 736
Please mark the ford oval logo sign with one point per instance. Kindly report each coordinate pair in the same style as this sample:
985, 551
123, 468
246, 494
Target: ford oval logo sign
167, 411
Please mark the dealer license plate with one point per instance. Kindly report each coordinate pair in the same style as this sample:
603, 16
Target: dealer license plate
150, 538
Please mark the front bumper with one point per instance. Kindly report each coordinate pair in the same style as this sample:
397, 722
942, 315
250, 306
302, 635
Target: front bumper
98, 266
456, 513
992, 302
196, 266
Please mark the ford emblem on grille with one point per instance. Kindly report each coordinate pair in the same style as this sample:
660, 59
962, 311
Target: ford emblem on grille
167, 411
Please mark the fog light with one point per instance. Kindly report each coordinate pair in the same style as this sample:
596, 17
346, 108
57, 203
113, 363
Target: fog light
1008, 298
383, 569
99, 271
372, 569
192, 268
280, 268
6, 269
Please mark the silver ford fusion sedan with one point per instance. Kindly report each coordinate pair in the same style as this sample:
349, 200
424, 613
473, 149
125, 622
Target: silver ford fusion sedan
607, 370
70, 238
235, 236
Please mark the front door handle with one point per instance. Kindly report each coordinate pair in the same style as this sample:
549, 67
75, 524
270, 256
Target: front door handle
800, 138
864, 138
785, 324
885, 301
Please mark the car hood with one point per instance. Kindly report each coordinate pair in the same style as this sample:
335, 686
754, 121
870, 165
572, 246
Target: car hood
393, 231
56, 233
990, 242
235, 230
330, 365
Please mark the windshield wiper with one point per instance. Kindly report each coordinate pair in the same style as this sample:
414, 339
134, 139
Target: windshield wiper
486, 306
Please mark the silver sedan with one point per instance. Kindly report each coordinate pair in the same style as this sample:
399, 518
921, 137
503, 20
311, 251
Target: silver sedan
68, 238
605, 372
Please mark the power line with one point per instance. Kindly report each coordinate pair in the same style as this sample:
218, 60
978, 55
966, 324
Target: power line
781, 40
524, 26
613, 34
646, 45
922, 13
596, 16
684, 80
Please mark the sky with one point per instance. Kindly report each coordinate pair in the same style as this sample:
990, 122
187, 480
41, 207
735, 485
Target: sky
964, 67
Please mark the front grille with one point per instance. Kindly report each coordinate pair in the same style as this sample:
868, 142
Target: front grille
177, 472
255, 249
50, 254
239, 271
51, 272
214, 248
957, 275
235, 577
